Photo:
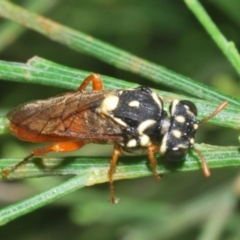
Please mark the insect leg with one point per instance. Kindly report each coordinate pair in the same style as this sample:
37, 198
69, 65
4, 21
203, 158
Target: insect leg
205, 168
57, 147
153, 162
111, 171
96, 80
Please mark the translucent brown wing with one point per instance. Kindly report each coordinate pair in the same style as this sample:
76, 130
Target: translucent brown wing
69, 116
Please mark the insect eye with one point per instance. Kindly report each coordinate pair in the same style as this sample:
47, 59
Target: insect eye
189, 105
175, 154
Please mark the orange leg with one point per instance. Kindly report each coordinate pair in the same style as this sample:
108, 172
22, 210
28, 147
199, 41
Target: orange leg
57, 147
96, 80
111, 171
151, 149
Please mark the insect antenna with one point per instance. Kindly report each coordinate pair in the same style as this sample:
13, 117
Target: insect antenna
214, 113
205, 168
6, 172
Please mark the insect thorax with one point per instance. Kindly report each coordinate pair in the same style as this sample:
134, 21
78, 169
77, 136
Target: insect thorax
140, 113
143, 120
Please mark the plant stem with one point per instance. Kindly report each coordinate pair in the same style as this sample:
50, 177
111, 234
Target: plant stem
112, 55
42, 199
228, 48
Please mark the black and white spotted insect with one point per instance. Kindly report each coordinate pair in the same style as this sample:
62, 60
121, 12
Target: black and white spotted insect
132, 120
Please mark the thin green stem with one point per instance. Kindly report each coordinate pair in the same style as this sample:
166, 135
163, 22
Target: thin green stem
228, 48
215, 156
16, 210
112, 55
42, 71
90, 171
10, 32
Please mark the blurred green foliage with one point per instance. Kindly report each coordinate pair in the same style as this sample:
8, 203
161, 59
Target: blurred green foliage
182, 205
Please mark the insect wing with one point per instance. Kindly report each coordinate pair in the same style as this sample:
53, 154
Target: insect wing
69, 116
